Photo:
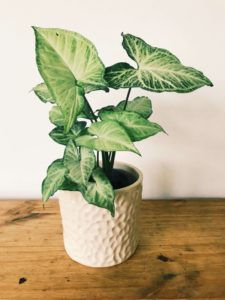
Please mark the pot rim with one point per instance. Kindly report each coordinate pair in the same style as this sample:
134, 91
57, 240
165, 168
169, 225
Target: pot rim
124, 166
139, 180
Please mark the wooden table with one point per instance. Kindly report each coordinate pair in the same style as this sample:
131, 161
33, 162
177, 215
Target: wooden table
181, 255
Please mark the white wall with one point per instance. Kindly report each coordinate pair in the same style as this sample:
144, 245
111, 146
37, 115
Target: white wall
190, 161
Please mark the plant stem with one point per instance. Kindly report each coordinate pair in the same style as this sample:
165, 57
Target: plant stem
106, 162
112, 159
105, 156
128, 95
92, 120
91, 110
113, 155
97, 158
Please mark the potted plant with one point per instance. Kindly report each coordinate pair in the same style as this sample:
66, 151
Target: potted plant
99, 199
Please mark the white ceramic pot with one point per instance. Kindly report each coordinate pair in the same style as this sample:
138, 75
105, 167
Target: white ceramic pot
91, 235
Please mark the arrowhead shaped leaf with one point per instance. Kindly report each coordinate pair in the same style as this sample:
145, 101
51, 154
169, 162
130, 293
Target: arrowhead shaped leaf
43, 93
158, 70
100, 192
69, 64
141, 105
55, 177
59, 136
136, 126
70, 53
80, 165
107, 136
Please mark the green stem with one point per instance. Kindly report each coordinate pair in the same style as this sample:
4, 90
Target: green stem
94, 119
112, 159
91, 110
113, 155
105, 162
97, 158
128, 95
105, 156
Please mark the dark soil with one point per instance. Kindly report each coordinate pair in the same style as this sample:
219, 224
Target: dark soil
120, 178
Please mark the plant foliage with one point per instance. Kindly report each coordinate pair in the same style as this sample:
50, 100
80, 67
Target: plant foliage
71, 68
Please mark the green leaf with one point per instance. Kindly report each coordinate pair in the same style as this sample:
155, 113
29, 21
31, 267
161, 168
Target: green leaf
121, 75
56, 116
69, 66
55, 177
100, 192
108, 108
80, 165
70, 53
86, 112
136, 126
75, 107
107, 136
71, 154
59, 136
158, 70
69, 185
77, 129
43, 93
141, 105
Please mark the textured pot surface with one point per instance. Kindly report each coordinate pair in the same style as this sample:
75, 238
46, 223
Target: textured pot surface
91, 235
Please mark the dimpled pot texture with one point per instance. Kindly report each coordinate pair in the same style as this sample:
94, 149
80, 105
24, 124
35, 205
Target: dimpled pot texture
91, 235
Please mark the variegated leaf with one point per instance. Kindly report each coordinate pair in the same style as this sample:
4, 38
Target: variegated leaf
69, 65
69, 185
55, 177
77, 53
107, 136
141, 105
86, 112
100, 192
59, 136
77, 128
80, 164
158, 70
43, 93
56, 116
136, 126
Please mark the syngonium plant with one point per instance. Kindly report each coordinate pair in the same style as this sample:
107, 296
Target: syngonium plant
71, 68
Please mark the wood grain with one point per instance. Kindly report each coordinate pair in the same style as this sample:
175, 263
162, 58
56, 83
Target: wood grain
181, 255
